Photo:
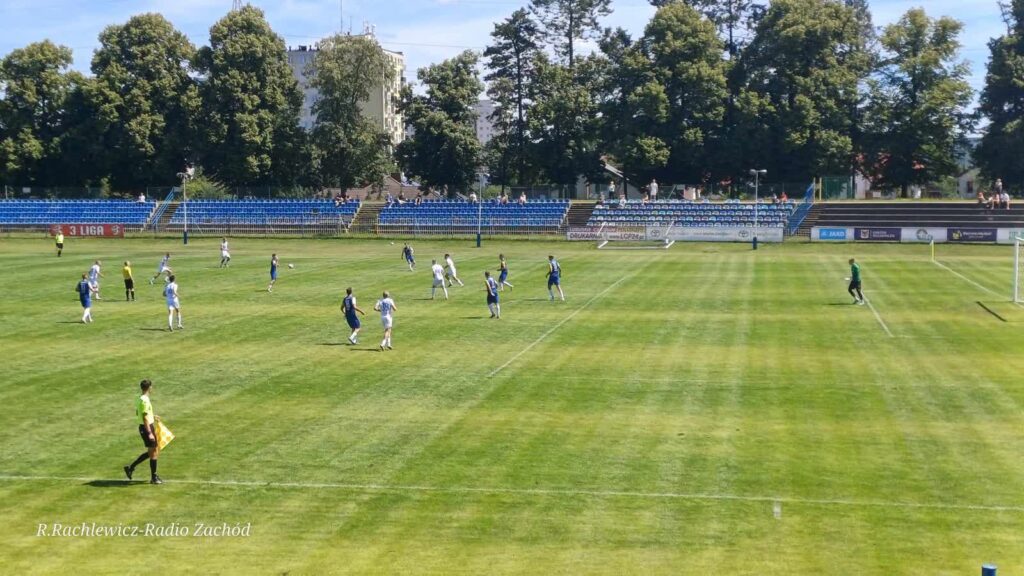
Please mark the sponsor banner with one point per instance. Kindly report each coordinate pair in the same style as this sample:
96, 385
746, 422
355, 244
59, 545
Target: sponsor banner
1009, 235
608, 233
923, 235
820, 234
714, 234
108, 230
971, 234
877, 234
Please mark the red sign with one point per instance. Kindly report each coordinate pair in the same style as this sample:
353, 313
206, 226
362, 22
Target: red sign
107, 230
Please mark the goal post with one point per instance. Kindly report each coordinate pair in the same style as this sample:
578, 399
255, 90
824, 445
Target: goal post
642, 240
1018, 245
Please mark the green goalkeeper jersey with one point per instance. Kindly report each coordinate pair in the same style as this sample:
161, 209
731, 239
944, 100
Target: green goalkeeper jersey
855, 272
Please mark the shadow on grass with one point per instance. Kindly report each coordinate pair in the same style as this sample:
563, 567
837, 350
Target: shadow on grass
70, 322
154, 329
114, 483
367, 350
333, 344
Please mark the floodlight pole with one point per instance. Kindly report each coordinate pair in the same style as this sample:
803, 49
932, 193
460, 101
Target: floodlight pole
184, 196
757, 177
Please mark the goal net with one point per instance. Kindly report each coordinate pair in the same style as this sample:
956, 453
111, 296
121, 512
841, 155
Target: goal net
634, 238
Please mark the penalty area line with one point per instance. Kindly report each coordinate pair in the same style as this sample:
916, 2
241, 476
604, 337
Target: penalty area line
775, 500
557, 326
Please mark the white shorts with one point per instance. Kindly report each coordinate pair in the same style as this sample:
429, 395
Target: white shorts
224, 254
386, 322
162, 269
451, 270
173, 304
438, 282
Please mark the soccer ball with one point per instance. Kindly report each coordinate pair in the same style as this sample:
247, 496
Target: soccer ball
291, 265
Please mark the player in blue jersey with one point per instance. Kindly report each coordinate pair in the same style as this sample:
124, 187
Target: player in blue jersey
386, 307
84, 289
407, 253
555, 278
273, 272
503, 274
348, 306
491, 286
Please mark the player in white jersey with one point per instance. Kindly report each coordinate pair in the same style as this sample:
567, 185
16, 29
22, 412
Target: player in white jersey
173, 305
451, 270
225, 255
94, 278
386, 307
438, 273
163, 268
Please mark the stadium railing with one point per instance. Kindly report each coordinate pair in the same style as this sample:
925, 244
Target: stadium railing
263, 217
681, 213
28, 215
460, 218
801, 211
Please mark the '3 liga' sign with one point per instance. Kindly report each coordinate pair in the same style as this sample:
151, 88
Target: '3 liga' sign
107, 230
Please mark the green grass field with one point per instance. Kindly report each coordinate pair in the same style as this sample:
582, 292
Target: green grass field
700, 410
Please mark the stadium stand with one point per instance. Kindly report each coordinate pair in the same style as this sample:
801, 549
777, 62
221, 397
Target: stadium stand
730, 214
460, 217
41, 213
263, 216
917, 214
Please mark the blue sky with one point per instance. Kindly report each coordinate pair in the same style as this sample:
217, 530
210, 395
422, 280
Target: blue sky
425, 30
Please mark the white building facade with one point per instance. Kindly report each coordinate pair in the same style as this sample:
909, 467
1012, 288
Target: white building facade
484, 127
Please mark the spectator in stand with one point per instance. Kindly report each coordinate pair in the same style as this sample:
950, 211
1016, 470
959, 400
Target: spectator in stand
645, 199
472, 197
503, 200
611, 189
653, 189
419, 199
401, 197
389, 199
522, 198
1006, 199
622, 200
142, 198
784, 198
981, 198
775, 198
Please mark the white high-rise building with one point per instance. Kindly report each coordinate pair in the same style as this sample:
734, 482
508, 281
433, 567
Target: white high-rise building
484, 127
380, 106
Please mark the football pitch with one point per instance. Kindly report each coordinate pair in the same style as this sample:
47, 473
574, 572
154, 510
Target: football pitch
700, 410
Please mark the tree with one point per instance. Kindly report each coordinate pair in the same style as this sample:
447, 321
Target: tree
735, 19
443, 151
144, 99
800, 80
668, 96
348, 148
251, 101
917, 114
1002, 102
36, 86
511, 60
566, 22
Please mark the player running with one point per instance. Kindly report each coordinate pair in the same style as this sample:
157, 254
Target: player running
84, 290
225, 254
438, 273
451, 270
147, 429
386, 307
492, 295
854, 288
348, 306
407, 253
503, 274
163, 268
129, 282
94, 278
273, 272
555, 278
59, 240
173, 305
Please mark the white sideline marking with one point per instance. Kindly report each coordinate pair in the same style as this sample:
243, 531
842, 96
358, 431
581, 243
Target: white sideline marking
557, 326
878, 317
775, 500
965, 278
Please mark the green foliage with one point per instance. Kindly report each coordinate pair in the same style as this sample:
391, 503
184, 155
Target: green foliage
443, 153
566, 22
349, 150
918, 109
203, 187
251, 101
1002, 102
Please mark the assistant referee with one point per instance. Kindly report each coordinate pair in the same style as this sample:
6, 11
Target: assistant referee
147, 429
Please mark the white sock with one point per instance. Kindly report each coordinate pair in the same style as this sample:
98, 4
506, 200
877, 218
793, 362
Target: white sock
497, 308
179, 319
170, 320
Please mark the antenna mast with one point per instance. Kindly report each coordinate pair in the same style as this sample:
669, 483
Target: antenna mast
236, 5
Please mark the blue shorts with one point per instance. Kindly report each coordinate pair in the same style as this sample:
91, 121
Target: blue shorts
553, 280
86, 302
410, 259
503, 276
353, 321
492, 299
273, 274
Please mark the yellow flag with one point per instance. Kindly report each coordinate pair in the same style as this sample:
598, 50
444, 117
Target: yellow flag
163, 435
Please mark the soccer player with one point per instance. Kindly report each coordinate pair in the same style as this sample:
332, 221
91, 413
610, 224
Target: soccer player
84, 289
162, 268
129, 282
225, 255
854, 288
59, 239
386, 307
555, 278
503, 275
94, 278
348, 306
147, 429
438, 273
492, 295
273, 272
407, 253
173, 305
451, 270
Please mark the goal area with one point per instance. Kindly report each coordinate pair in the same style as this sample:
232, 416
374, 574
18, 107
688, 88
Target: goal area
616, 240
